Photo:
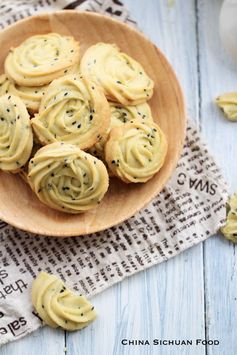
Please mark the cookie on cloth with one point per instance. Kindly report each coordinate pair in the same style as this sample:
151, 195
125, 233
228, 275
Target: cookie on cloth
73, 111
122, 78
121, 114
136, 151
67, 179
16, 138
57, 306
30, 95
41, 58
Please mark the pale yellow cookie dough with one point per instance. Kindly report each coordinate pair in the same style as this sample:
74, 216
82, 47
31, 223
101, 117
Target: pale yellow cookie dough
228, 104
230, 228
136, 151
73, 111
57, 306
41, 58
67, 179
30, 95
122, 78
16, 138
121, 114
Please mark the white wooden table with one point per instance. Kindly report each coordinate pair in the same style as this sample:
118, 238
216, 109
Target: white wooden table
194, 295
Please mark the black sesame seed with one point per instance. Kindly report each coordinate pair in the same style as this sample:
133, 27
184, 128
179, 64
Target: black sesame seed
94, 162
39, 191
82, 314
113, 161
42, 306
36, 91
79, 125
18, 117
65, 188
2, 119
91, 117
52, 174
118, 82
74, 122
84, 175
8, 110
65, 71
66, 93
93, 88
9, 97
8, 147
92, 308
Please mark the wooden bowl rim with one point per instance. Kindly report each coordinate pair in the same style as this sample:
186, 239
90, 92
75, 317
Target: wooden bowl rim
178, 151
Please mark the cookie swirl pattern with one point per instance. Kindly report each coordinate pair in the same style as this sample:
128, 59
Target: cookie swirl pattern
58, 306
67, 179
136, 151
16, 138
41, 58
120, 115
123, 79
74, 111
30, 95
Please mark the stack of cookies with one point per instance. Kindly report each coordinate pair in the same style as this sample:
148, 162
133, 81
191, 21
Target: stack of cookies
68, 123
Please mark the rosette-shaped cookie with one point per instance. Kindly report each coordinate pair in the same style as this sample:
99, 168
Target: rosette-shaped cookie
57, 306
74, 111
230, 228
66, 178
30, 95
41, 58
122, 78
121, 114
16, 138
136, 151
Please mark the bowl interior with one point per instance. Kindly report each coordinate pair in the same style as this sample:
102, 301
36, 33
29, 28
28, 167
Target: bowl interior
18, 204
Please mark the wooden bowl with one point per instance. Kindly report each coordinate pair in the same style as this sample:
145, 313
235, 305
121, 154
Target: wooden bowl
19, 206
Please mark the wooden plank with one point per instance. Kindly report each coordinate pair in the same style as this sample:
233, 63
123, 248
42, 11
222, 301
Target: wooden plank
165, 302
41, 342
217, 75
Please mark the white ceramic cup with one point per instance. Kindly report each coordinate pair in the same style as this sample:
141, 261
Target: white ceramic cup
228, 27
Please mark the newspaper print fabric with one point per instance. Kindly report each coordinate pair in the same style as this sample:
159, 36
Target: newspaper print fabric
188, 210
